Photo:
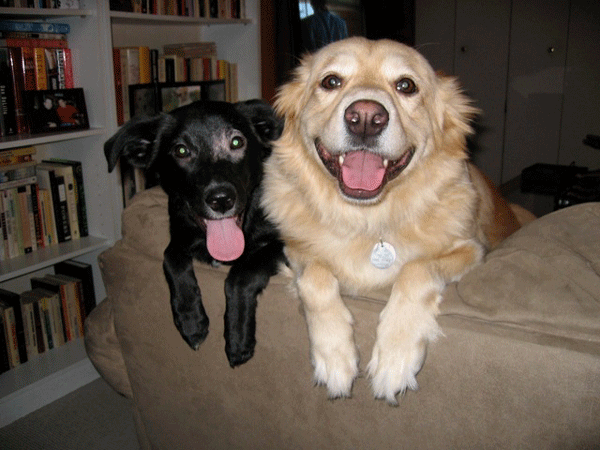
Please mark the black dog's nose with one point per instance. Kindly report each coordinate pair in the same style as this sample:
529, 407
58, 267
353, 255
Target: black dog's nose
221, 198
366, 118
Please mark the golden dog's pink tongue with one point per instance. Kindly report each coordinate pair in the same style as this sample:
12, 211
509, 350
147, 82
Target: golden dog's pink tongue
224, 239
363, 170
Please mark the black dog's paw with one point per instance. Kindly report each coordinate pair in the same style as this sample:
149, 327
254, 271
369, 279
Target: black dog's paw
239, 353
193, 331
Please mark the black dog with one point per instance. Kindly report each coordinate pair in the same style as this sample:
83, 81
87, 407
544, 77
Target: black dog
208, 157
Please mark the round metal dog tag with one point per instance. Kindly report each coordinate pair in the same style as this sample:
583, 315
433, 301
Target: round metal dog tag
383, 255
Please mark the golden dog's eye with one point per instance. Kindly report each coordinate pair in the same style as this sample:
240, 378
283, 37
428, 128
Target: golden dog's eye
237, 142
406, 86
181, 151
331, 82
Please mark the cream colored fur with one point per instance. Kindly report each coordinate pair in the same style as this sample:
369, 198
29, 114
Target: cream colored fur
433, 214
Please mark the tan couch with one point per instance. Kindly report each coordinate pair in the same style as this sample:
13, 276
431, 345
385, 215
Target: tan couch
518, 367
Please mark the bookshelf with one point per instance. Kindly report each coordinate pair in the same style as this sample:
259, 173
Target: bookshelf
95, 30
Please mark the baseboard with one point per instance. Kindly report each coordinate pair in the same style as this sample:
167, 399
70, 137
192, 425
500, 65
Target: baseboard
43, 392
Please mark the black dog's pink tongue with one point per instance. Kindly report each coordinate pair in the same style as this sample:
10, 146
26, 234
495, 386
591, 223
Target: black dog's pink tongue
224, 239
363, 170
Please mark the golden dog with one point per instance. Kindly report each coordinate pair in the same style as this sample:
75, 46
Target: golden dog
371, 188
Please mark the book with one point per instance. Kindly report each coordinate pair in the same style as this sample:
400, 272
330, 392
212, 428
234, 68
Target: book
37, 216
77, 168
52, 69
74, 299
55, 185
28, 68
12, 299
29, 329
41, 77
4, 346
66, 171
18, 86
119, 93
32, 43
66, 307
17, 171
32, 324
47, 212
17, 155
9, 209
64, 60
8, 120
35, 27
28, 243
83, 272
18, 183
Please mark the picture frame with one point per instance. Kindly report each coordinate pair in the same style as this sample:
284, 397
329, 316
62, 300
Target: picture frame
56, 110
152, 98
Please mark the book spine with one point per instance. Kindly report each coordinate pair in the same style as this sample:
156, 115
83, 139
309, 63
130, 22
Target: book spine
15, 55
41, 78
145, 67
37, 215
35, 27
18, 183
24, 216
47, 324
11, 337
118, 85
30, 150
39, 327
4, 346
68, 63
8, 122
52, 232
18, 222
31, 43
59, 334
61, 212
5, 239
60, 68
51, 69
28, 62
29, 327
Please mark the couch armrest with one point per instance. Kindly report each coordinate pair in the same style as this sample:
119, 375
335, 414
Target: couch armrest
103, 348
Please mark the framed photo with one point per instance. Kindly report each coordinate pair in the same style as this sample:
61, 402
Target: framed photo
56, 110
150, 99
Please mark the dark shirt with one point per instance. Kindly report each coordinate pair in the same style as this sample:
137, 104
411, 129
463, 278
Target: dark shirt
322, 28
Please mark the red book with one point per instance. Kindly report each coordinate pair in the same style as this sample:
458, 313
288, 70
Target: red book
118, 85
28, 62
15, 57
25, 42
64, 63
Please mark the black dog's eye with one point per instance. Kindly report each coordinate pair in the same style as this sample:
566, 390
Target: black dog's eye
181, 151
237, 142
406, 86
331, 82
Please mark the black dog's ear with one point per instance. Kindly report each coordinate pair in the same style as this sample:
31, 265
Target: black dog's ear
135, 141
266, 124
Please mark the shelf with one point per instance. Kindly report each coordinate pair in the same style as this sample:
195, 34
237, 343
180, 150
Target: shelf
22, 140
42, 13
39, 259
43, 379
129, 17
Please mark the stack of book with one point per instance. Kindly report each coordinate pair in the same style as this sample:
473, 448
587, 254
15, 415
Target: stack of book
41, 204
213, 9
179, 65
42, 4
47, 316
33, 57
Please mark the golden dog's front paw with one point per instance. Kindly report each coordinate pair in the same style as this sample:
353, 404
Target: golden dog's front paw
393, 370
336, 369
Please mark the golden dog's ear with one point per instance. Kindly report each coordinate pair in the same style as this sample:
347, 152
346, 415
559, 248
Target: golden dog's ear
455, 112
292, 96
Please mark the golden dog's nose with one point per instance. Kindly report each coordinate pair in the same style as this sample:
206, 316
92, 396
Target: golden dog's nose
366, 118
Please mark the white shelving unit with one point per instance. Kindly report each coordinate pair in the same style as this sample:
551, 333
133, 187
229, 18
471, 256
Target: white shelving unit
94, 31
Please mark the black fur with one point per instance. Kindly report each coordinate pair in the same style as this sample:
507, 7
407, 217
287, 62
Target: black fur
193, 152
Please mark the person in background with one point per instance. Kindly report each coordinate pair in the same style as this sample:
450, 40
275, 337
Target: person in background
322, 27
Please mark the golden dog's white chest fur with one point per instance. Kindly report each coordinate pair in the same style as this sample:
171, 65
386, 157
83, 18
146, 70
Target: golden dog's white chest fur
374, 151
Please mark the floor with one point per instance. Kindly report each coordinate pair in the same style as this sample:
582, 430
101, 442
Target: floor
94, 417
